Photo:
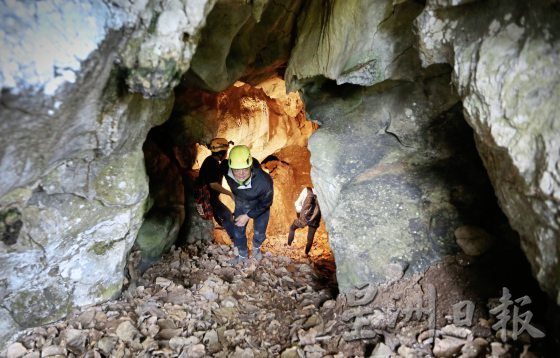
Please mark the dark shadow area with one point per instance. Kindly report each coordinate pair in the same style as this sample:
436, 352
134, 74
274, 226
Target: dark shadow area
270, 158
503, 264
170, 187
325, 269
470, 190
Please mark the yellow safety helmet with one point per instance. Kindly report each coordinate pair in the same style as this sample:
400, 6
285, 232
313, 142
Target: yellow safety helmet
218, 144
240, 157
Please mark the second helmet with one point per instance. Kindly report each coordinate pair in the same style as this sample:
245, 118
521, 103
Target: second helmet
218, 144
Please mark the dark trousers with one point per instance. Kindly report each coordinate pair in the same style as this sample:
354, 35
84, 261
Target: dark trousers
222, 215
310, 236
239, 235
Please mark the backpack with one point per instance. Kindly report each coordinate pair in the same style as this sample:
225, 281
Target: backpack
202, 200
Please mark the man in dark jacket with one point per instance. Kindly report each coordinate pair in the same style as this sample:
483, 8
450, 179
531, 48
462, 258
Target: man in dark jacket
253, 193
212, 174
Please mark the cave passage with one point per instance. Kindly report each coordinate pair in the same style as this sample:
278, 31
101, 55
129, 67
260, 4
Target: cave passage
273, 125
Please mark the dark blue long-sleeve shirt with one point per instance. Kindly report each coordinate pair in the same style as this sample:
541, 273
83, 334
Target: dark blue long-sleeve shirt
252, 198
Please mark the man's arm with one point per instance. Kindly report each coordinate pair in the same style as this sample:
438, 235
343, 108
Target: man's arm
219, 188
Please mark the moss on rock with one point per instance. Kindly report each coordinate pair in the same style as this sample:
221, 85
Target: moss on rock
107, 292
123, 181
100, 248
31, 308
157, 234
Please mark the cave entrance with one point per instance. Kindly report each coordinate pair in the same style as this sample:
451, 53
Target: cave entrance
273, 125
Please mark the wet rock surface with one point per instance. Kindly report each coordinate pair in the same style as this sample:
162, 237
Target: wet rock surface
194, 304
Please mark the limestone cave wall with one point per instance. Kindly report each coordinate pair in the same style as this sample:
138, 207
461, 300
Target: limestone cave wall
502, 59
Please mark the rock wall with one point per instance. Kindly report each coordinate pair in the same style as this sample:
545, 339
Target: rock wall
398, 173
504, 62
506, 59
247, 40
82, 83
357, 42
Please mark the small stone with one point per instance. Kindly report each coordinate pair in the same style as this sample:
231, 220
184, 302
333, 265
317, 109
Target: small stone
16, 350
126, 331
498, 350
330, 304
86, 319
473, 240
177, 343
106, 345
168, 333
390, 340
100, 320
395, 269
76, 340
163, 282
53, 351
52, 332
475, 348
448, 346
242, 353
208, 292
153, 330
250, 307
307, 337
196, 351
312, 321
226, 313
484, 323
405, 351
230, 333
481, 331
178, 297
288, 279
38, 355
428, 335
229, 302
192, 340
166, 324
221, 334
291, 352
314, 351
211, 341
149, 344
454, 331
381, 351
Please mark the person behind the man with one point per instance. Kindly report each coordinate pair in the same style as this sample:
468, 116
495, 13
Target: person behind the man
309, 214
211, 173
253, 193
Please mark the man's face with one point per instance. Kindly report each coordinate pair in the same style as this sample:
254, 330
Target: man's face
241, 174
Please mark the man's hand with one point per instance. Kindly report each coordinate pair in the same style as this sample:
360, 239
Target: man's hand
241, 220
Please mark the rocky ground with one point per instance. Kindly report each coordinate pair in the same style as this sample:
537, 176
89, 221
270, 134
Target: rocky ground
194, 304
